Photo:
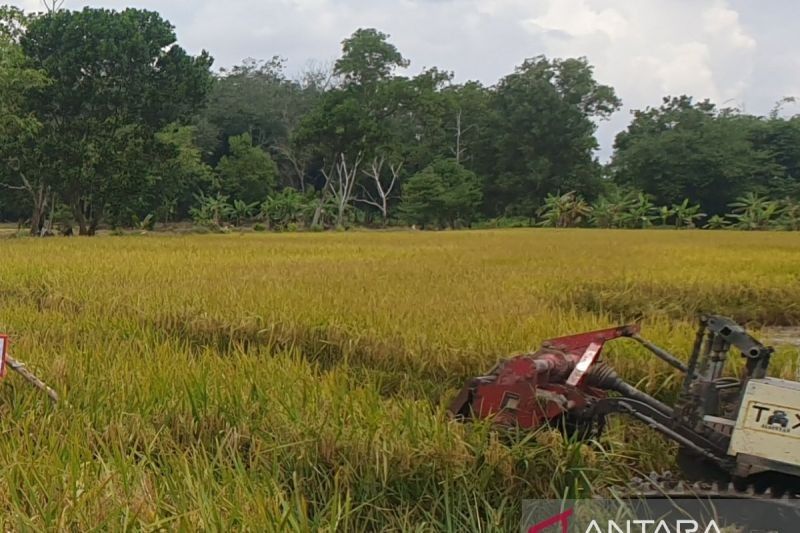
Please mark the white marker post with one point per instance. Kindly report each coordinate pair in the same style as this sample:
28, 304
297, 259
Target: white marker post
3, 354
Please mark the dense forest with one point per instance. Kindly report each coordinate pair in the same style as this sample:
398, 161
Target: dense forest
105, 121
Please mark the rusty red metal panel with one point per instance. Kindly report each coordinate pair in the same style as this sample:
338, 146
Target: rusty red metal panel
579, 342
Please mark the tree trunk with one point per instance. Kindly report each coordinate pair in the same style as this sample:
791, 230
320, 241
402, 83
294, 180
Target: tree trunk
340, 215
458, 137
36, 221
317, 218
93, 226
317, 215
39, 200
80, 218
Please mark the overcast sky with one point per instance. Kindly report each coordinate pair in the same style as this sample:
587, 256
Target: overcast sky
737, 52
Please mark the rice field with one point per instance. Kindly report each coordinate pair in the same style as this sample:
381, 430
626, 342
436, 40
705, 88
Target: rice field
279, 382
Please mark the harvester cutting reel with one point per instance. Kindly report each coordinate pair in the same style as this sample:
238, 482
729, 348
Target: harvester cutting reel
6, 362
742, 430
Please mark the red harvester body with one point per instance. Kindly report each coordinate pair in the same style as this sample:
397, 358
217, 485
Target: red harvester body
532, 389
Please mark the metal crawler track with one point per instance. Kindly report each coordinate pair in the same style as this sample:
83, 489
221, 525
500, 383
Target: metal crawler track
732, 505
668, 486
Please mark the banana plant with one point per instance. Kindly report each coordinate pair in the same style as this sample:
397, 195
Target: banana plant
640, 213
564, 211
789, 217
610, 211
211, 210
716, 222
284, 208
754, 212
686, 215
665, 213
241, 211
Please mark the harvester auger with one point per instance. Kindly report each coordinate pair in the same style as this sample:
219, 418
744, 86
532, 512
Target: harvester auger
6, 361
742, 432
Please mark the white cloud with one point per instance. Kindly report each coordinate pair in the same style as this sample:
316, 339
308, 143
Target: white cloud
721, 21
652, 48
28, 5
656, 47
577, 18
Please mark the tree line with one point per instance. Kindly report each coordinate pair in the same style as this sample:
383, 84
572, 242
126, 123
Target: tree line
106, 121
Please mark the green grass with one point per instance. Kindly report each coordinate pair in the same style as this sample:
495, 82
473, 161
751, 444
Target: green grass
298, 381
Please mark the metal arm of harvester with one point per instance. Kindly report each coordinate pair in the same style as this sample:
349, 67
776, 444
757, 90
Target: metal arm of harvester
709, 403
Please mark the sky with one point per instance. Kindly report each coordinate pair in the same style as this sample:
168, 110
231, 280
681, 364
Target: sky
741, 53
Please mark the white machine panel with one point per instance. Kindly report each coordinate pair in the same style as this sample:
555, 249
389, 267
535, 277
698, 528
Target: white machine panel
769, 421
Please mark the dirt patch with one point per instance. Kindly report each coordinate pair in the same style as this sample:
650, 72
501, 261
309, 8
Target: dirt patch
782, 335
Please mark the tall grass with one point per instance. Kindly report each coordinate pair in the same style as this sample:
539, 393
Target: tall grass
257, 382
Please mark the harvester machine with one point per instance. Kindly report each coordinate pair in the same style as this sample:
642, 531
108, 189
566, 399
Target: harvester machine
6, 362
738, 432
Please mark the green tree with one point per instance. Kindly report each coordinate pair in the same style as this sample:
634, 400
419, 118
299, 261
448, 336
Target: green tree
422, 198
369, 118
117, 79
16, 79
467, 123
360, 116
687, 150
177, 174
543, 123
18, 126
367, 59
778, 141
462, 195
444, 192
257, 98
248, 173
174, 173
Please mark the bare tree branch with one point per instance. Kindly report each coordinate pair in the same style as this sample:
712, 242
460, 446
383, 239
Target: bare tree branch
340, 181
458, 150
39, 199
51, 6
384, 191
298, 166
317, 75
13, 187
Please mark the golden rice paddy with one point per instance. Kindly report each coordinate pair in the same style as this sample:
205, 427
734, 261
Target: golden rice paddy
299, 381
